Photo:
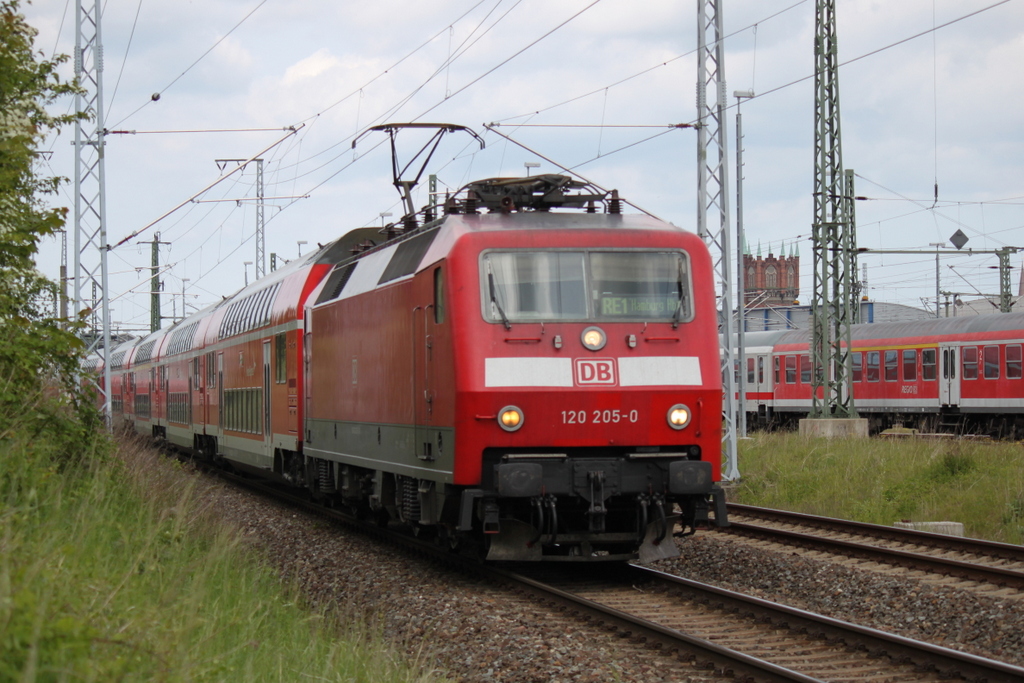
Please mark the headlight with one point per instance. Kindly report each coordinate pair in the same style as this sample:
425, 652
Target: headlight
678, 416
593, 338
510, 418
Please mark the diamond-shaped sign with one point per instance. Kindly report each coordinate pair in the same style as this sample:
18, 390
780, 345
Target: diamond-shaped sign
959, 239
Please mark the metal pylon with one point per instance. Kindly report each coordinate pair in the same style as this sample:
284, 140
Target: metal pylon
713, 198
832, 234
90, 194
261, 259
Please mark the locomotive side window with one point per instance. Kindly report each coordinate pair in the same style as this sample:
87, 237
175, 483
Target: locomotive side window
970, 356
1013, 361
874, 366
928, 364
909, 365
891, 365
990, 356
790, 369
438, 297
524, 286
857, 360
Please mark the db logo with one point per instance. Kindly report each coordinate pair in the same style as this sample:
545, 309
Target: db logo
595, 371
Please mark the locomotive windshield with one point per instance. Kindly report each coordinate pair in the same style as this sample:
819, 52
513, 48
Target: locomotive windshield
537, 286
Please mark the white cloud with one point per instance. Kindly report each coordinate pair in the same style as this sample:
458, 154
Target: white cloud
339, 67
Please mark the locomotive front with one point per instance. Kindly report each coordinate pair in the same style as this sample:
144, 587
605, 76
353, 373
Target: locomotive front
588, 393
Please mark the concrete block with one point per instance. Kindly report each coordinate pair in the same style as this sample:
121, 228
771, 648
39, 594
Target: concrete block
835, 428
948, 528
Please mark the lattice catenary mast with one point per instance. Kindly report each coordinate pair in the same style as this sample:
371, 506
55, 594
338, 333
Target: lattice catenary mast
713, 197
90, 195
833, 234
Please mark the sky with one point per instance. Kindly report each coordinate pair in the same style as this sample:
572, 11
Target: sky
931, 93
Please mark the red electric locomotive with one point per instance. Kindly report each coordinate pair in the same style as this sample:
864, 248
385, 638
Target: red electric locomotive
523, 373
547, 378
959, 374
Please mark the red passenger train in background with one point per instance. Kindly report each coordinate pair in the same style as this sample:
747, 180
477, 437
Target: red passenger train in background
944, 374
532, 372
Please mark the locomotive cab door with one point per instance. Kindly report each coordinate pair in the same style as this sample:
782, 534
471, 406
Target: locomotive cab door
949, 378
425, 319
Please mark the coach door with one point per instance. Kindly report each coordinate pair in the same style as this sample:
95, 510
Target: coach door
949, 378
220, 391
268, 433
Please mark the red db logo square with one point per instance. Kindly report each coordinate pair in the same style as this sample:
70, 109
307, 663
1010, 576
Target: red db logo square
595, 372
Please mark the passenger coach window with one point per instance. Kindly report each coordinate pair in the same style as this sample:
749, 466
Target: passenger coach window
280, 359
909, 365
891, 365
970, 356
775, 362
990, 355
928, 364
858, 368
874, 366
760, 369
750, 371
805, 369
1013, 361
523, 286
790, 369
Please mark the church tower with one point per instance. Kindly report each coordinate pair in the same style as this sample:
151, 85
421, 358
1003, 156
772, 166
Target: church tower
771, 281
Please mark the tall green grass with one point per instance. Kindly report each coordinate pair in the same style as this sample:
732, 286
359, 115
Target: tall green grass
980, 484
111, 570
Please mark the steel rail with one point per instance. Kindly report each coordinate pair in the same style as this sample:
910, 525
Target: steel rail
705, 653
726, 660
978, 546
945, 660
999, 576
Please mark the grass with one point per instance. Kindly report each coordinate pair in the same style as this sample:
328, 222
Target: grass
980, 484
113, 571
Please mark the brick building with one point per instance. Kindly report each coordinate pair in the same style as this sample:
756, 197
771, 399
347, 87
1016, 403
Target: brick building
773, 280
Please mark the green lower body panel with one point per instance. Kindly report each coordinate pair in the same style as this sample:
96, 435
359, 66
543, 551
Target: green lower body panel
425, 452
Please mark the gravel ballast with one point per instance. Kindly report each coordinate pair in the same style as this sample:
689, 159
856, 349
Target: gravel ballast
469, 631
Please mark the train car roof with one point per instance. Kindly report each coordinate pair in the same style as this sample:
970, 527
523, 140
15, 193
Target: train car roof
941, 327
403, 256
927, 328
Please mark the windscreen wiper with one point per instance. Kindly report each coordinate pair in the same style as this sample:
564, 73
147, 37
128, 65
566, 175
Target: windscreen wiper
679, 308
494, 300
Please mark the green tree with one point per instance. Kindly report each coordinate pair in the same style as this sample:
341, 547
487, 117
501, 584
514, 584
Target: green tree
39, 355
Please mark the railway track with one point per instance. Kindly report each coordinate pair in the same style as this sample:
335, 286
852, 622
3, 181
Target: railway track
720, 632
745, 636
984, 566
